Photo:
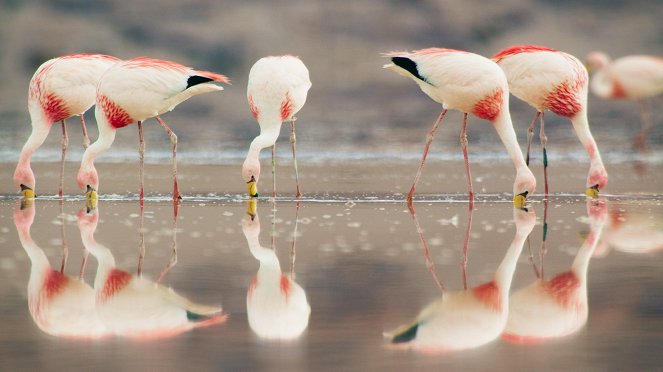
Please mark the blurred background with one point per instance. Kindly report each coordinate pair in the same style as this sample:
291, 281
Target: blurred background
355, 108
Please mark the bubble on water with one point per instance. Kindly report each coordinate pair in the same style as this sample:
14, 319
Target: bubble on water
55, 241
195, 234
57, 222
354, 224
350, 204
134, 215
304, 221
339, 215
228, 214
501, 230
326, 216
488, 227
435, 242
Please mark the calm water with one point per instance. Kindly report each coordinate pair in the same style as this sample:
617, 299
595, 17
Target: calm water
325, 281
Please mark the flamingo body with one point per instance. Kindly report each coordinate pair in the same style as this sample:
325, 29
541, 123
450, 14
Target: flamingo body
548, 79
135, 90
276, 91
630, 77
60, 88
468, 83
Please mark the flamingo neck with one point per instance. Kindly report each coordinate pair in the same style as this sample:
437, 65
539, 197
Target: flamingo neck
267, 138
504, 127
601, 84
88, 173
581, 127
40, 128
584, 255
506, 269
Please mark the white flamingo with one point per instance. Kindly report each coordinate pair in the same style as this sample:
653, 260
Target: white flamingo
469, 83
548, 79
635, 77
276, 91
135, 307
133, 91
61, 87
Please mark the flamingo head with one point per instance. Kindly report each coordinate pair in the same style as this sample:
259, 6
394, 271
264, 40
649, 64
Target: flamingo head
524, 185
596, 61
25, 179
24, 216
88, 179
597, 179
251, 174
524, 220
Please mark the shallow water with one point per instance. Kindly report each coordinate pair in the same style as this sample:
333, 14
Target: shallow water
357, 260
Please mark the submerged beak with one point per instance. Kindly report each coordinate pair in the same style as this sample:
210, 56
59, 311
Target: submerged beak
91, 194
520, 200
252, 187
252, 208
27, 192
593, 191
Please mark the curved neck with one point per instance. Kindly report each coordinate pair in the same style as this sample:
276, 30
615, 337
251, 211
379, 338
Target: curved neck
269, 132
504, 127
104, 257
581, 127
581, 261
40, 128
103, 143
506, 269
600, 84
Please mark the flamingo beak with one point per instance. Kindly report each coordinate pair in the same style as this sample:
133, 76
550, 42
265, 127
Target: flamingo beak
252, 187
520, 200
27, 192
91, 194
593, 191
27, 202
252, 208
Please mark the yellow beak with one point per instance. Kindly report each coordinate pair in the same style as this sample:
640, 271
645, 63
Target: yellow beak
520, 200
593, 191
252, 207
252, 188
27, 192
91, 194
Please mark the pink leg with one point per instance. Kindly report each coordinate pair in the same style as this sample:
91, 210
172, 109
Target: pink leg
86, 139
65, 248
429, 139
173, 256
141, 241
293, 141
463, 142
141, 163
65, 145
293, 250
542, 252
274, 171
173, 140
429, 261
544, 141
640, 140
530, 134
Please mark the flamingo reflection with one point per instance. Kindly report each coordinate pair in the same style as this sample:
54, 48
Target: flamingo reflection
135, 307
558, 306
276, 305
60, 305
471, 317
631, 231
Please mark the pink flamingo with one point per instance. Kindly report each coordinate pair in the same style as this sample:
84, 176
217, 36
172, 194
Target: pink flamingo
276, 305
60, 88
468, 83
636, 77
60, 305
133, 91
276, 91
556, 307
470, 318
548, 79
631, 231
135, 307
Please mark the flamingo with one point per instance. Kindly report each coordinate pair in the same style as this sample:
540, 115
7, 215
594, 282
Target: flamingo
635, 77
468, 83
276, 305
548, 79
133, 91
60, 305
135, 307
557, 307
61, 87
470, 318
277, 90
631, 231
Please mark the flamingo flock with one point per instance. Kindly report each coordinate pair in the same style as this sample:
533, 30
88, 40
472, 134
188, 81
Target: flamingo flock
134, 90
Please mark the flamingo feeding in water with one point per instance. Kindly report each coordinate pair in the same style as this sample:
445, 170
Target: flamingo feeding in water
468, 83
548, 79
133, 91
276, 91
60, 88
636, 77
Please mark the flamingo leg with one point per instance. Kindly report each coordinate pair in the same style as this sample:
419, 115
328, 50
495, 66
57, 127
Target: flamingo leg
65, 248
86, 138
542, 252
544, 141
65, 145
463, 143
640, 139
293, 141
429, 139
293, 250
274, 170
530, 134
141, 241
173, 140
430, 265
173, 256
141, 162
